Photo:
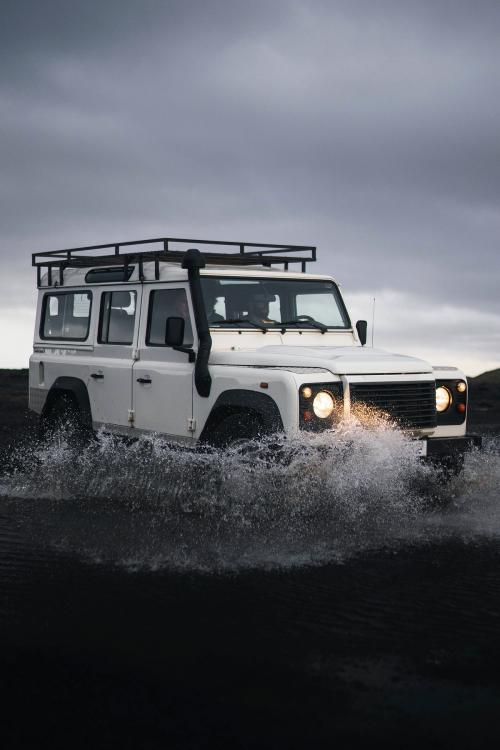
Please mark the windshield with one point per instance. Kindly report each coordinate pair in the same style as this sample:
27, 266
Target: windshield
273, 303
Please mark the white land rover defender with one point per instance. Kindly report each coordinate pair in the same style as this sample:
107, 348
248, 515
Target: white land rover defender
218, 345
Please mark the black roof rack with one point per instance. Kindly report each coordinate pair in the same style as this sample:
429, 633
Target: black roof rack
112, 254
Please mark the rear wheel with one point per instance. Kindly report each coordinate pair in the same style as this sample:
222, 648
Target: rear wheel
62, 419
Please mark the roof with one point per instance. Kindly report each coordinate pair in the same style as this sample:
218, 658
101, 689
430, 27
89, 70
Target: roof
173, 272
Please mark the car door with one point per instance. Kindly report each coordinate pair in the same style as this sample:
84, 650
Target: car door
163, 376
109, 381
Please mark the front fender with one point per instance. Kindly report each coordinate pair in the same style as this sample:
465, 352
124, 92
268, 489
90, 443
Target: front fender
241, 400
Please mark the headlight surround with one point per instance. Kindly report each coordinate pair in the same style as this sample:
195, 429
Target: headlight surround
308, 417
323, 405
444, 399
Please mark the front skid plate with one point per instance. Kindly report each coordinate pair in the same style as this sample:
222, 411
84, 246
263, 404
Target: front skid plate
436, 447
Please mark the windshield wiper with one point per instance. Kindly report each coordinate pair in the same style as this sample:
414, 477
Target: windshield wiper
243, 323
302, 323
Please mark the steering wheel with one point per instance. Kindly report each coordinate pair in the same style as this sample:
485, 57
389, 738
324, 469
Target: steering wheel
305, 318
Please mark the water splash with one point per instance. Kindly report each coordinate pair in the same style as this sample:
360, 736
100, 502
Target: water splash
276, 503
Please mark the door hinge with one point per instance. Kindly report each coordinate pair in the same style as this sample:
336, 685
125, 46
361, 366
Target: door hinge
131, 417
191, 424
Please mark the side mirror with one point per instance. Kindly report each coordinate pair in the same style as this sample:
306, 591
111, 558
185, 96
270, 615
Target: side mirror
361, 327
174, 331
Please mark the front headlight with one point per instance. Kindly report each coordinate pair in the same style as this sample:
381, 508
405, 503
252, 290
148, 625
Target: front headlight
323, 405
443, 398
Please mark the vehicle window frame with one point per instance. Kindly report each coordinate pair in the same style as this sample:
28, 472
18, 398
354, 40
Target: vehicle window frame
276, 327
61, 293
101, 316
168, 288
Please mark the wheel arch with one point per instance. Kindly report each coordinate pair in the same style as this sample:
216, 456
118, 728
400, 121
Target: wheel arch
77, 389
243, 401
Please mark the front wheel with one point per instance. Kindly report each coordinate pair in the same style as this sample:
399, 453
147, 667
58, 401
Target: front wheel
236, 430
449, 466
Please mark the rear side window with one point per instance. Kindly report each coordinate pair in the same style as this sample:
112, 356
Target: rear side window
109, 275
117, 318
66, 315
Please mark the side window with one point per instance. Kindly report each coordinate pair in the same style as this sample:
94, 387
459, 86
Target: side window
117, 319
66, 315
163, 304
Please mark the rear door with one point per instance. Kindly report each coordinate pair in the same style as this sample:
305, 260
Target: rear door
162, 376
110, 376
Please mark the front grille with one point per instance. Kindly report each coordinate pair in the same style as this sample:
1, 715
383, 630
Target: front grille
409, 404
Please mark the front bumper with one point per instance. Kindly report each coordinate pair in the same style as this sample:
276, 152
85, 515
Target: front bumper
439, 448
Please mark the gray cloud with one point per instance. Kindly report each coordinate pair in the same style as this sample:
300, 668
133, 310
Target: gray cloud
368, 128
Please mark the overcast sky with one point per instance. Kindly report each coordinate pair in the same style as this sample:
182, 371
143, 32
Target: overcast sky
370, 129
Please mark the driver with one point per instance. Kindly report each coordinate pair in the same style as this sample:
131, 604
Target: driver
258, 310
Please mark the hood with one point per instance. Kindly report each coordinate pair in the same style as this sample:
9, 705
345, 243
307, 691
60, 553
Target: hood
340, 360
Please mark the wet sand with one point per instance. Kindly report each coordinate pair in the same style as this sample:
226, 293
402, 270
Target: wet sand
395, 640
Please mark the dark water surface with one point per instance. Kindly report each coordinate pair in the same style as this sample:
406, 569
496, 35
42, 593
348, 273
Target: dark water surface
151, 598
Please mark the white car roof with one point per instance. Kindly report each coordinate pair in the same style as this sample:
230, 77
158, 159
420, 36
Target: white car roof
170, 272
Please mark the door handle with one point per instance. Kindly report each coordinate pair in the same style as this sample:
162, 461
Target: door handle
144, 381
97, 375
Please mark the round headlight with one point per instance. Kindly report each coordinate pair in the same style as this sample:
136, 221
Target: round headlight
443, 398
323, 405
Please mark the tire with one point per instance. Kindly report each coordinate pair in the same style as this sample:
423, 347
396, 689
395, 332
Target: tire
449, 466
236, 430
62, 420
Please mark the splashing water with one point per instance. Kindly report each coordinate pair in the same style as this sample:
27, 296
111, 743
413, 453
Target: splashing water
321, 498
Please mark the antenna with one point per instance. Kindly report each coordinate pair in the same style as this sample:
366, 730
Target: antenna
373, 320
